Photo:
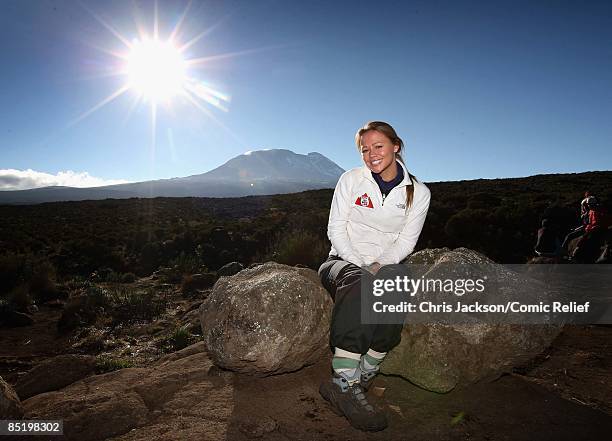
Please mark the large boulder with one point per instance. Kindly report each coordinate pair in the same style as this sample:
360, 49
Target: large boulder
440, 357
55, 373
594, 250
10, 405
267, 320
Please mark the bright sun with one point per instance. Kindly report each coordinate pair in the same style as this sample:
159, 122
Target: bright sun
156, 69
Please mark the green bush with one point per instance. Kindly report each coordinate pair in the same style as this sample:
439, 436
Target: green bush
187, 263
128, 278
108, 364
179, 339
85, 309
128, 304
42, 282
35, 271
121, 305
298, 247
12, 267
19, 298
77, 283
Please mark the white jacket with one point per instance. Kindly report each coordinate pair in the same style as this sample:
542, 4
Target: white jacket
363, 229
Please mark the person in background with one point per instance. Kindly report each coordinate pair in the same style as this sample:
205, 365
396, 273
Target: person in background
376, 216
596, 227
548, 243
584, 218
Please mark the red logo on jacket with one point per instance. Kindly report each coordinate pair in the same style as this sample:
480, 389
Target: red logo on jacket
364, 200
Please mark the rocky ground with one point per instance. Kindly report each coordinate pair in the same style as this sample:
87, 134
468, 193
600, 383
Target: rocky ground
134, 385
182, 396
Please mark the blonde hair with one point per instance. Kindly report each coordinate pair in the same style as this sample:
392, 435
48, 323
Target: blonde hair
389, 132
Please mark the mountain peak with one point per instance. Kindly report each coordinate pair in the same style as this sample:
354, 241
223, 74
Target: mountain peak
268, 152
258, 172
277, 164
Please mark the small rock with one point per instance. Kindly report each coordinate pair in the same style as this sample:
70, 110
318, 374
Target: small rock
230, 269
378, 391
256, 428
197, 282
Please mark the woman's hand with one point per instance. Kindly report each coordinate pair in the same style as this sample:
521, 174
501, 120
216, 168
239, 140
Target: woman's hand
373, 267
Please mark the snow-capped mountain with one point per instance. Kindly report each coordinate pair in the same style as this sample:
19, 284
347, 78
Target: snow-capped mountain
258, 172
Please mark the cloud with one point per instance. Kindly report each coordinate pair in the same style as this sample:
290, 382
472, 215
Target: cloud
11, 179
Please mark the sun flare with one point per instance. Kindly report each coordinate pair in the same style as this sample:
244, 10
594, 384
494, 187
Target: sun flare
156, 69
155, 66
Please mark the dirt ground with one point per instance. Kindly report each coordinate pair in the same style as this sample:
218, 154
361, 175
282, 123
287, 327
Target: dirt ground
545, 404
564, 394
23, 347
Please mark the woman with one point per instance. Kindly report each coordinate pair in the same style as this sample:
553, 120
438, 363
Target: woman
376, 217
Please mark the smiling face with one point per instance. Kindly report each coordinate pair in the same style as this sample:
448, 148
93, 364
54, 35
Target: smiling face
378, 153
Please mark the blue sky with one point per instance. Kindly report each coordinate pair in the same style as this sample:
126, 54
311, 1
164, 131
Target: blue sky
476, 89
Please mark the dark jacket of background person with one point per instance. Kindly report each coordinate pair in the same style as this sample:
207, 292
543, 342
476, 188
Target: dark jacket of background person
548, 241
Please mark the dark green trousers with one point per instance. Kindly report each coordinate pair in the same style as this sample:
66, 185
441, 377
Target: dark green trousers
343, 282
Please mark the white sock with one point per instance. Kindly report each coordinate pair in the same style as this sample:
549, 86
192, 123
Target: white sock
346, 363
371, 360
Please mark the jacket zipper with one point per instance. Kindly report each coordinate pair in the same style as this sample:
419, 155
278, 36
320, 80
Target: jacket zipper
382, 196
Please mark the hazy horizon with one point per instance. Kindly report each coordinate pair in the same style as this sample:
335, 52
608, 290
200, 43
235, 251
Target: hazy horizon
30, 175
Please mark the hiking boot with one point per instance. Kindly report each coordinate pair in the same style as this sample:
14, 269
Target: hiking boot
367, 378
351, 402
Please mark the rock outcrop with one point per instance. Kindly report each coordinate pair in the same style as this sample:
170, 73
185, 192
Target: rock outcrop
174, 399
10, 405
267, 320
55, 373
440, 356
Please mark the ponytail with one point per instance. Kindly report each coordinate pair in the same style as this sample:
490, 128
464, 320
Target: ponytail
409, 188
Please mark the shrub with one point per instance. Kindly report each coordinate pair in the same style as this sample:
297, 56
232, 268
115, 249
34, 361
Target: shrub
298, 247
78, 283
108, 364
36, 271
149, 259
130, 305
11, 270
19, 298
467, 226
42, 281
128, 278
84, 310
179, 339
110, 276
186, 263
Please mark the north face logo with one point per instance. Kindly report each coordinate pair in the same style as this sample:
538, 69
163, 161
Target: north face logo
364, 201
